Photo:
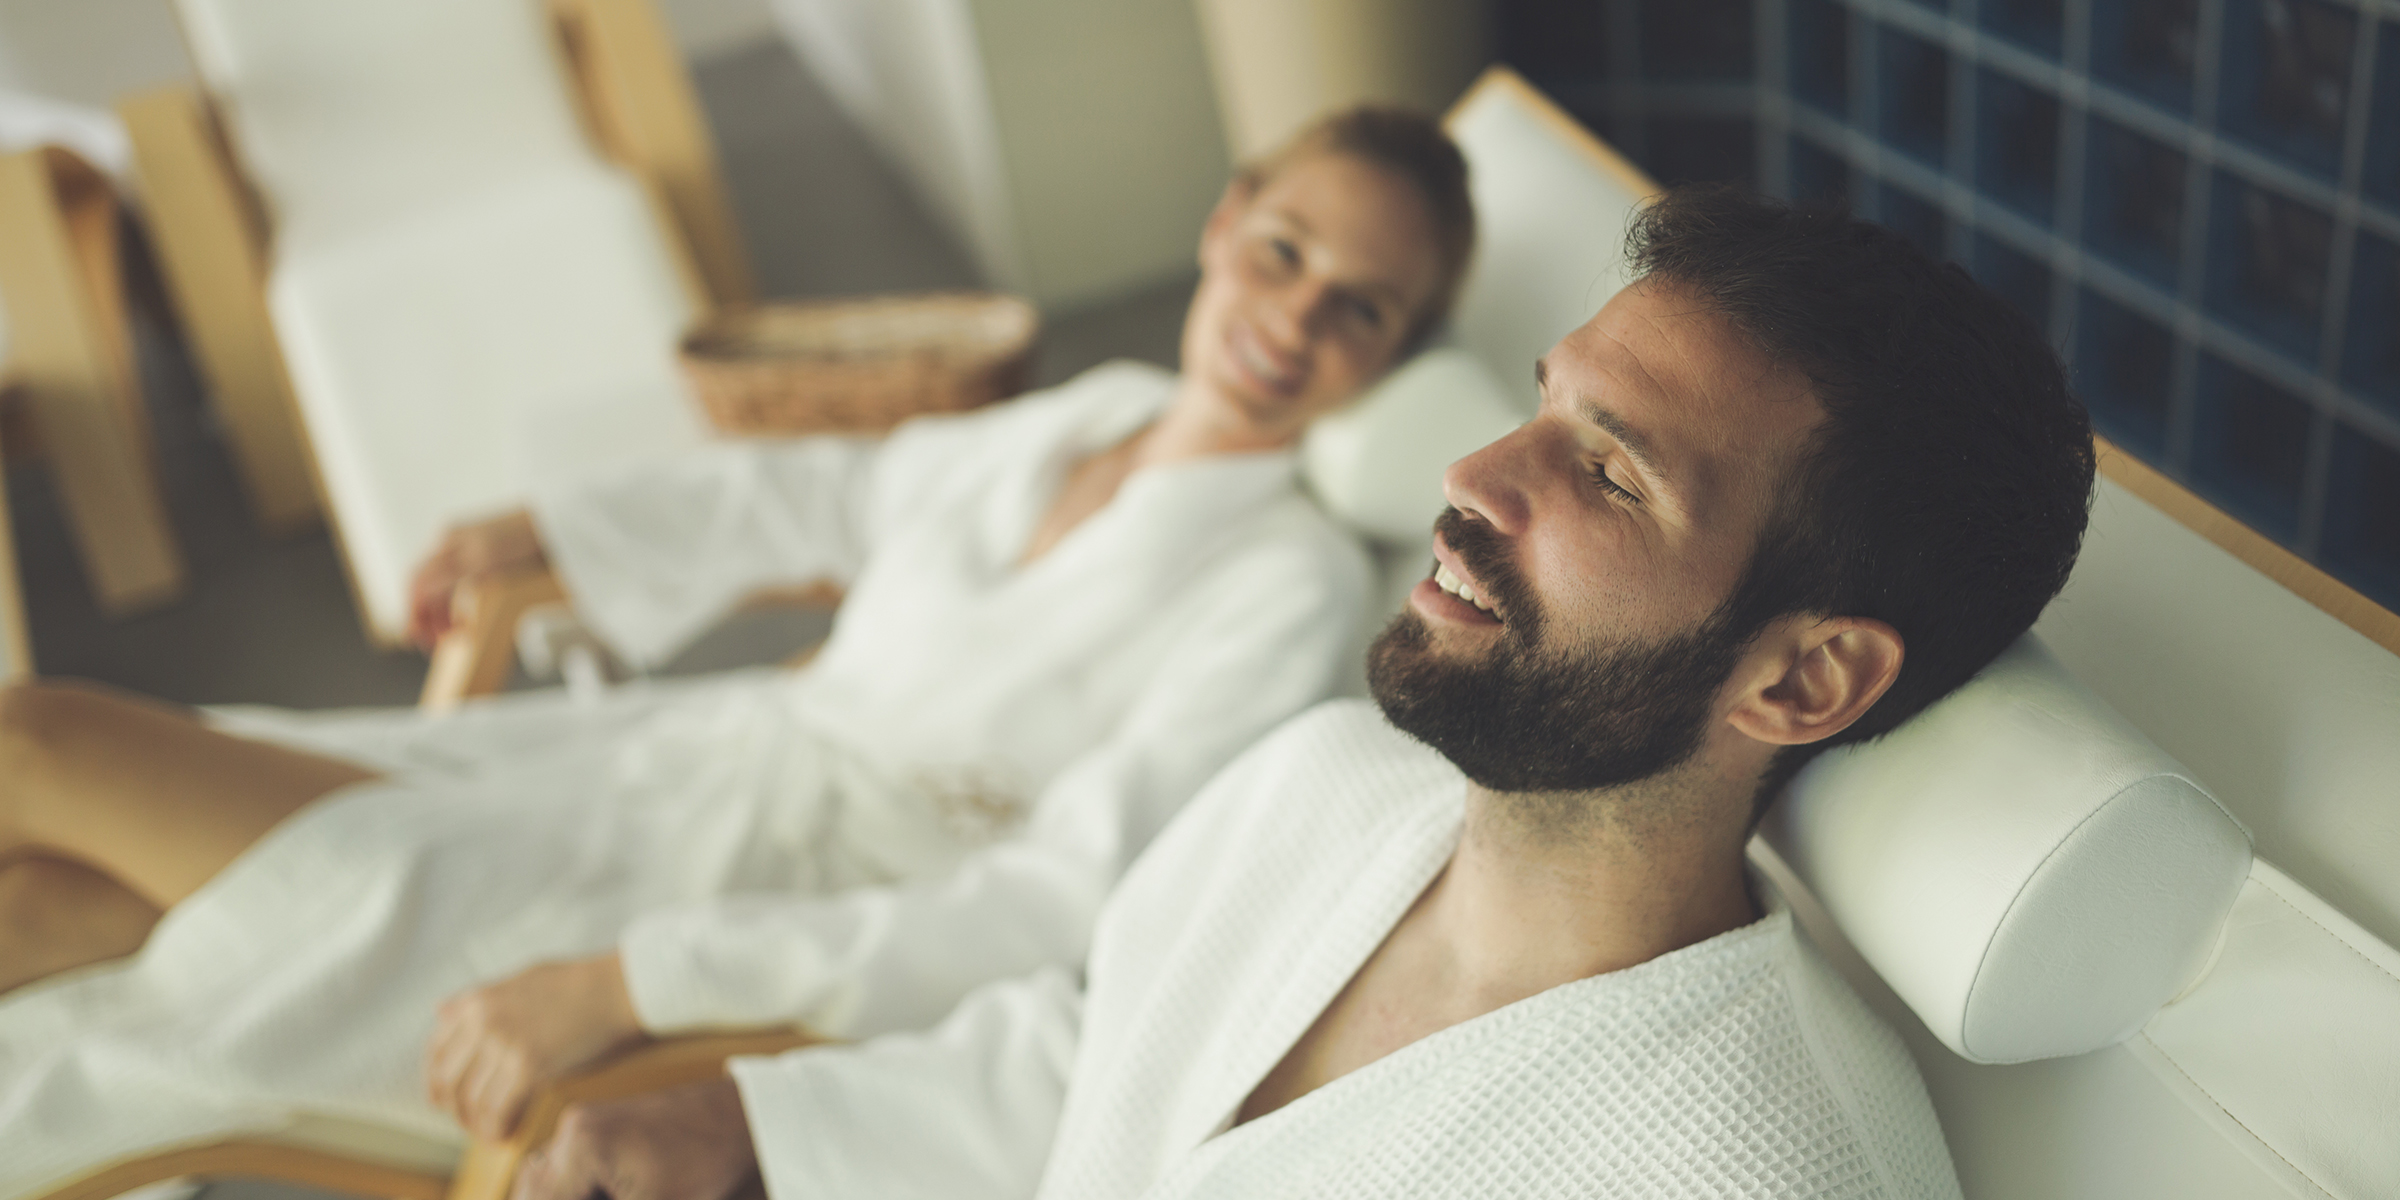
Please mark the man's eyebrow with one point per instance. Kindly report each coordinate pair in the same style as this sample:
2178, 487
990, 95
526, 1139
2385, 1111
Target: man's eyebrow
1636, 444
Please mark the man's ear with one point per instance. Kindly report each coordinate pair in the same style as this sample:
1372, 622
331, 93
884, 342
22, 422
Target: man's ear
1230, 206
1818, 677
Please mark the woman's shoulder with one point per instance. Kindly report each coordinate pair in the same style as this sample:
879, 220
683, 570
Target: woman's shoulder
1120, 385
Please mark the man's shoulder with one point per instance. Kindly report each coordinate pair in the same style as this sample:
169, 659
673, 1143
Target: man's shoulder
1340, 748
1737, 1067
1861, 1067
1307, 802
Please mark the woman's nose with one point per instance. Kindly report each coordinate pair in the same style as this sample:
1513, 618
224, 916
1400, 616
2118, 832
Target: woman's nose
1294, 312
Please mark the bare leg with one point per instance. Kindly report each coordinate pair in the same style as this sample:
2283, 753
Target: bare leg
140, 791
57, 915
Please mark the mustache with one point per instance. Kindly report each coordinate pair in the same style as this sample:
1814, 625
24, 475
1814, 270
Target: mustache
1490, 559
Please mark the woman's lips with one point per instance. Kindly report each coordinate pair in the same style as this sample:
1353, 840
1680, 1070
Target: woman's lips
1268, 371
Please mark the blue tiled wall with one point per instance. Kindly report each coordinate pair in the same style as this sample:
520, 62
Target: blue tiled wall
2199, 199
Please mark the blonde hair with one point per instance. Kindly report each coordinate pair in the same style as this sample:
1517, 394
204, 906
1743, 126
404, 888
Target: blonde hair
1413, 147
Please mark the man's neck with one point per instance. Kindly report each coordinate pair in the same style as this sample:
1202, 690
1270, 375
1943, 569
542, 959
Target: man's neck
1547, 889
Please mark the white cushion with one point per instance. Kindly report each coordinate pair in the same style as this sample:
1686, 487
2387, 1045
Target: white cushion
1378, 464
447, 364
2019, 863
346, 112
1551, 212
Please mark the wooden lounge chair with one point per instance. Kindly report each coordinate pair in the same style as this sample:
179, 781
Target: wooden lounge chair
69, 385
428, 252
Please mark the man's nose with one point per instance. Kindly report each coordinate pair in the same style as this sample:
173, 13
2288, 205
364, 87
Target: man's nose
1492, 482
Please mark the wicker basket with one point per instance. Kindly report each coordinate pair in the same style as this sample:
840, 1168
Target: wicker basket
854, 366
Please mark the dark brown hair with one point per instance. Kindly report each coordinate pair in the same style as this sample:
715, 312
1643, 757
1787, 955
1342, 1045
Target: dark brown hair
1946, 489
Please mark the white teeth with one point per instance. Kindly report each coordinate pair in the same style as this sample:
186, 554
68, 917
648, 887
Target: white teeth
1451, 583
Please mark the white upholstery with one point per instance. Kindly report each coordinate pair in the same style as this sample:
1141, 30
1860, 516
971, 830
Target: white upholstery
2021, 865
346, 113
469, 300
1378, 464
1550, 231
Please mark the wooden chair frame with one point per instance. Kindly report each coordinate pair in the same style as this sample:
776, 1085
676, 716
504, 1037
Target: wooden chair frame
638, 107
73, 392
488, 1170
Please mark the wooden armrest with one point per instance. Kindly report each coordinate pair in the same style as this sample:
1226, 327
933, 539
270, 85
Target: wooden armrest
490, 1168
473, 658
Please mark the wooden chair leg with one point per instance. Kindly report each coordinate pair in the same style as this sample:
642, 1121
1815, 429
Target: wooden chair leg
74, 357
490, 1168
212, 252
16, 649
473, 659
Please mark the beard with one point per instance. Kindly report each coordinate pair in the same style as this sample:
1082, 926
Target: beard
1529, 717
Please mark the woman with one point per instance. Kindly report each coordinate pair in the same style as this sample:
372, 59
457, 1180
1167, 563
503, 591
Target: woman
1063, 614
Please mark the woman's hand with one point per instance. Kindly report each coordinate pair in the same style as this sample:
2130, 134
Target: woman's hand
493, 1046
473, 551
687, 1143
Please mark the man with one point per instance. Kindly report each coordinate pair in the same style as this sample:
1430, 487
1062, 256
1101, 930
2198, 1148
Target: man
1793, 485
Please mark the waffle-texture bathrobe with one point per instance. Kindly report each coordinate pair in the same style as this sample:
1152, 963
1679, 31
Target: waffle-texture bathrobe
943, 797
1737, 1067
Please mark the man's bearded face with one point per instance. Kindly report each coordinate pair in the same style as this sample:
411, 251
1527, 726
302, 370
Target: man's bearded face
1528, 716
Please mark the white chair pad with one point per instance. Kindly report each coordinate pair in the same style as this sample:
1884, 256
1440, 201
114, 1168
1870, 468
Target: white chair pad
425, 352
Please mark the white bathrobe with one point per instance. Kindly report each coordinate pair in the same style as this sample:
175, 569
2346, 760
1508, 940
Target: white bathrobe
1738, 1067
943, 797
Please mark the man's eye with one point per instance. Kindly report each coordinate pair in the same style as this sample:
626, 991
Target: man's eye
1600, 477
1285, 252
1364, 312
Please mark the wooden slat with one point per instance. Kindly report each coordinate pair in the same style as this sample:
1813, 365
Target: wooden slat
16, 649
213, 253
473, 659
490, 1168
644, 113
2304, 579
256, 1159
71, 351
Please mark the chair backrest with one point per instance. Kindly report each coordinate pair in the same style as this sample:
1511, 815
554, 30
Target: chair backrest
1551, 204
351, 111
469, 300
2278, 1069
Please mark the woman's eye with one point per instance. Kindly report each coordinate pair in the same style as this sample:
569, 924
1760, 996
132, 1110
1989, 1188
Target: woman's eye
1285, 252
1364, 312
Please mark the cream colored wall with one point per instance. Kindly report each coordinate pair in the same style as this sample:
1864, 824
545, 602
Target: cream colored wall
1279, 63
1110, 140
1072, 145
911, 75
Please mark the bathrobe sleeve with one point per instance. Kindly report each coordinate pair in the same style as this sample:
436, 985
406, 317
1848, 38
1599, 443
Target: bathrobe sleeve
969, 1108
1274, 624
654, 557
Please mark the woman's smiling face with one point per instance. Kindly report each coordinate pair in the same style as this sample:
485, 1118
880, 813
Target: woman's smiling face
1311, 283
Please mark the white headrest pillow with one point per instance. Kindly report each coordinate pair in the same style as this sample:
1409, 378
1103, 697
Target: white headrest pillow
2018, 862
1377, 465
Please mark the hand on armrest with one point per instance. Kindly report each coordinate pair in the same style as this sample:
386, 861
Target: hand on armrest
687, 1143
506, 544
494, 1046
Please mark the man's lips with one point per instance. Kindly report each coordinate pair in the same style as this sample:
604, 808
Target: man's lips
1452, 591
